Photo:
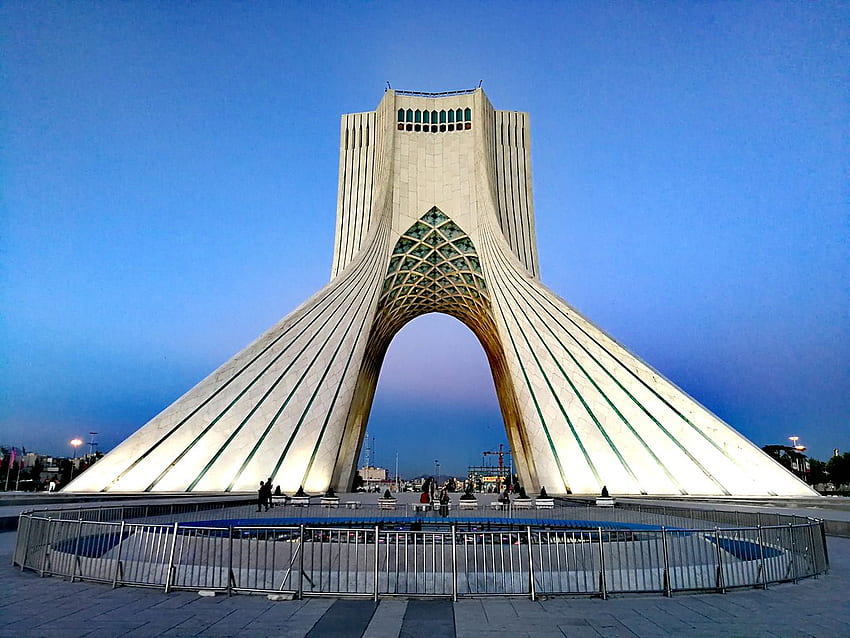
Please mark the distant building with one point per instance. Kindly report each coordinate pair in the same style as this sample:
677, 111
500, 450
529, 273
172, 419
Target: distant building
484, 477
791, 458
373, 474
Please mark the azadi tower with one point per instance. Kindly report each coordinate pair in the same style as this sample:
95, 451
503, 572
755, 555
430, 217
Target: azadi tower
434, 214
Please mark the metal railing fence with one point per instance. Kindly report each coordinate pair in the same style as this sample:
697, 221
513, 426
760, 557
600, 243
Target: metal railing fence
196, 510
452, 560
244, 508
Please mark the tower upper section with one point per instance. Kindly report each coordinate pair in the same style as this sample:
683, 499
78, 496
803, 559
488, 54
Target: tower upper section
451, 150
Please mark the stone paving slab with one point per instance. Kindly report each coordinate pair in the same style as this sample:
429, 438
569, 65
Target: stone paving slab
54, 608
387, 619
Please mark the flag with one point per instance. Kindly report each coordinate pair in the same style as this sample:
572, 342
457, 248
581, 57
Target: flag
12, 457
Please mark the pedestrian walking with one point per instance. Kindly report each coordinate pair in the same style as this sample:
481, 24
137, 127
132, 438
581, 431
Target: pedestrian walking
444, 503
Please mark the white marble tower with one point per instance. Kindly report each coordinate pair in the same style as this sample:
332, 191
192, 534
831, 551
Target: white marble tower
435, 214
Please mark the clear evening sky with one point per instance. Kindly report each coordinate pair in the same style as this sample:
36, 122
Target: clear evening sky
169, 176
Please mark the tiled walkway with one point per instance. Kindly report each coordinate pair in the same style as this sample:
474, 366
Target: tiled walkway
51, 607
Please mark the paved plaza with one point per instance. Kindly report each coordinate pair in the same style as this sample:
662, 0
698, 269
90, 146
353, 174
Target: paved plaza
33, 606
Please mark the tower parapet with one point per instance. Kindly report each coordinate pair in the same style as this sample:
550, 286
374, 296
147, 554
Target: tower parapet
430, 140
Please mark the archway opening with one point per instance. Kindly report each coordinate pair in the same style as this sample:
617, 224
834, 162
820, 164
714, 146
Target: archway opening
435, 402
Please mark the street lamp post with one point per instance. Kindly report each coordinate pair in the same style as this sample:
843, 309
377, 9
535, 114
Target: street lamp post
75, 443
437, 471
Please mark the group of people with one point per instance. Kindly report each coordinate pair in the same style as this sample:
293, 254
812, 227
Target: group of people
428, 496
264, 494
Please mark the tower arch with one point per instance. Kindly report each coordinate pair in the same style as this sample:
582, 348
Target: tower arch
434, 268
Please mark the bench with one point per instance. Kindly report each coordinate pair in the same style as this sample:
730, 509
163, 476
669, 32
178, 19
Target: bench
468, 504
544, 503
604, 501
522, 503
352, 505
421, 507
329, 501
386, 503
300, 501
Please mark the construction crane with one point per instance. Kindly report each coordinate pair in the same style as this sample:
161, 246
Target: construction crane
501, 453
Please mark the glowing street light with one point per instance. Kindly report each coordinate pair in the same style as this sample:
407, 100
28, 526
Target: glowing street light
796, 446
75, 443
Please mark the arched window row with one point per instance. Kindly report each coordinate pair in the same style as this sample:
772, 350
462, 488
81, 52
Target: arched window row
434, 121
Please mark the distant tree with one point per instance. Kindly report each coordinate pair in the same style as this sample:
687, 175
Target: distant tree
37, 469
817, 472
65, 471
838, 468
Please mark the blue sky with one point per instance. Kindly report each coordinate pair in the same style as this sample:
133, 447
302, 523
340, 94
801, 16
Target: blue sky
169, 189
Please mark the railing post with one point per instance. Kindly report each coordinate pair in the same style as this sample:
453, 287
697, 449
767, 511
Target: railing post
720, 580
454, 564
603, 586
26, 539
77, 549
762, 565
667, 586
118, 555
822, 527
793, 551
814, 553
49, 536
301, 562
230, 560
531, 587
168, 573
377, 546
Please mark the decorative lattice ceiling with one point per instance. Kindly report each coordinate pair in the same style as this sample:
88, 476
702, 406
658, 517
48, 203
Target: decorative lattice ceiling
434, 268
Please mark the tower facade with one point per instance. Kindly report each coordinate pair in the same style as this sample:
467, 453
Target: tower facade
435, 214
